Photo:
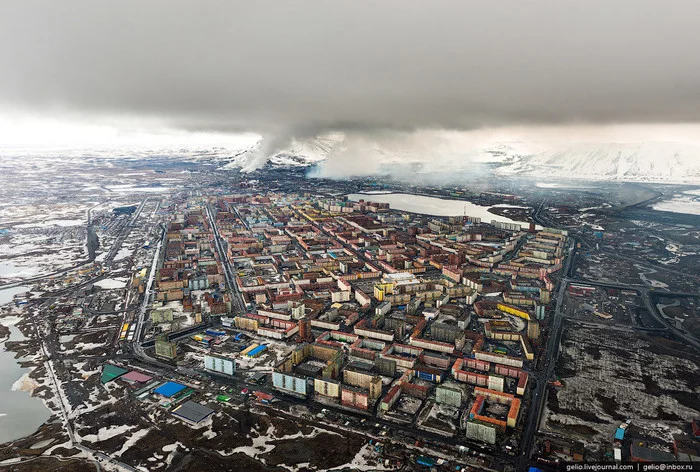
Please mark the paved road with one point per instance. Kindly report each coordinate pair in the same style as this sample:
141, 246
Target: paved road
541, 378
236, 296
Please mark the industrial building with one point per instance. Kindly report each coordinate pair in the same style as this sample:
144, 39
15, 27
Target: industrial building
111, 372
644, 454
192, 413
169, 389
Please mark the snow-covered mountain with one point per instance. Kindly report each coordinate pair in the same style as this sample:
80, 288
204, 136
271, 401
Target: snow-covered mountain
641, 162
305, 152
292, 153
645, 162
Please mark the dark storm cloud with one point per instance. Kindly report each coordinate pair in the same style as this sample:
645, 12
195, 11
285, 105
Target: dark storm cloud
311, 65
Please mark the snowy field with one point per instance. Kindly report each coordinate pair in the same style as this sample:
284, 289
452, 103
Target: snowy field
687, 202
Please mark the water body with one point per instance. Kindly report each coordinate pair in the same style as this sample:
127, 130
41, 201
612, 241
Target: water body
20, 414
434, 206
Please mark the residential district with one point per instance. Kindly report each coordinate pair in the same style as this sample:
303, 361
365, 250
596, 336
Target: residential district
379, 339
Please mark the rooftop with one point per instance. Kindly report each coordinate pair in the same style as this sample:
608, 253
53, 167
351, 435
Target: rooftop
193, 411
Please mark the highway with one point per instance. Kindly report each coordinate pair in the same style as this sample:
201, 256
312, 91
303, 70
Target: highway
236, 297
541, 378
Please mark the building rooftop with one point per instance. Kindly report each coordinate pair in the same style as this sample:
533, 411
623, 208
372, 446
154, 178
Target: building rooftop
650, 455
135, 376
193, 411
111, 372
169, 389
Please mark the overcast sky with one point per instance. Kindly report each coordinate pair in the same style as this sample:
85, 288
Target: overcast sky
298, 68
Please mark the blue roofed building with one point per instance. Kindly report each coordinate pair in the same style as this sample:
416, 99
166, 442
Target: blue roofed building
169, 389
619, 434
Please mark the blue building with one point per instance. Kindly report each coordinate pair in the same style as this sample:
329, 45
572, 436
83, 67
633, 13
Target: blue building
619, 434
169, 389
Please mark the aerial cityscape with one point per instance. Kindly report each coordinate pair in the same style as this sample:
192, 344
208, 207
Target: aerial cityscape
239, 273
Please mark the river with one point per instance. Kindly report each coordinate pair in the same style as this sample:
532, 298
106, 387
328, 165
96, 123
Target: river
20, 414
434, 206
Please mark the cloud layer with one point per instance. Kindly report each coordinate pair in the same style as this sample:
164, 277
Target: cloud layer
299, 68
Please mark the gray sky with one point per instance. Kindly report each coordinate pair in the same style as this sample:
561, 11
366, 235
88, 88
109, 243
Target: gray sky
300, 67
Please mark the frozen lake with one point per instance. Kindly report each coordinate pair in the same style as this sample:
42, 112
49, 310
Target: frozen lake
434, 206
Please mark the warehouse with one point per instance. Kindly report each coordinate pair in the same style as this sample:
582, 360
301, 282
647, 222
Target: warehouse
169, 389
257, 351
111, 372
136, 378
245, 351
645, 454
192, 413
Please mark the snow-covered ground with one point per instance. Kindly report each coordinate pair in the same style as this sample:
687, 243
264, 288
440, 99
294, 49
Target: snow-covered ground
687, 202
118, 282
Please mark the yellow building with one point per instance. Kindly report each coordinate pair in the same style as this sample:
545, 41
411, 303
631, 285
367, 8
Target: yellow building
513, 311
